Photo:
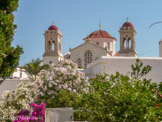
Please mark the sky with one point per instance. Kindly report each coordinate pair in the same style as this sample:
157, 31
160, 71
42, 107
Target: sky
76, 19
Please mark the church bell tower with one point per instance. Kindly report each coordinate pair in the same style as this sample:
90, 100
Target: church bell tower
53, 45
127, 40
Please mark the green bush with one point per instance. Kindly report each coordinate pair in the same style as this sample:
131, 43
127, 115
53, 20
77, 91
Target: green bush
121, 98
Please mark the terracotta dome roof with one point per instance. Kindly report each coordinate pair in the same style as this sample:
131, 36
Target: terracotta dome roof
127, 24
99, 34
53, 27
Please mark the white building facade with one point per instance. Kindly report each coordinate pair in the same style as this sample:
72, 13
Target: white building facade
111, 65
98, 52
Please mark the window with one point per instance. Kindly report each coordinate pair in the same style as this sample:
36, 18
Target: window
108, 45
53, 46
87, 58
124, 43
129, 43
79, 62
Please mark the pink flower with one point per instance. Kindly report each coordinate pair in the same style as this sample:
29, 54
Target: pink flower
50, 85
45, 88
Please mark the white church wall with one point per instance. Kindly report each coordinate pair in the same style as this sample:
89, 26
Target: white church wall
114, 47
51, 59
79, 52
102, 42
111, 65
20, 73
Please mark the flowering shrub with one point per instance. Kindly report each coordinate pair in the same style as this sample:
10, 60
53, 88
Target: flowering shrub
39, 111
12, 102
64, 77
60, 86
38, 114
24, 112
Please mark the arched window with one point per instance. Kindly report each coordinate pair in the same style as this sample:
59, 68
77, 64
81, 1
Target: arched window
87, 58
79, 62
124, 43
129, 43
53, 45
108, 45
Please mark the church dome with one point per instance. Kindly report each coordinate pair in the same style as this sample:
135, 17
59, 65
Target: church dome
53, 27
128, 24
99, 34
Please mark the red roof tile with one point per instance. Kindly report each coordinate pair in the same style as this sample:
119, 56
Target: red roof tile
99, 34
53, 27
127, 24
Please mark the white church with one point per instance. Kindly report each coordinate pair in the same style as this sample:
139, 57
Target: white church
98, 52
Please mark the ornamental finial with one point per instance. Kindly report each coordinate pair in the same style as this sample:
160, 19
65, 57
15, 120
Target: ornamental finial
99, 24
127, 19
53, 22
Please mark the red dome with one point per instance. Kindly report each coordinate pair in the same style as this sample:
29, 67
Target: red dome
99, 34
53, 27
127, 24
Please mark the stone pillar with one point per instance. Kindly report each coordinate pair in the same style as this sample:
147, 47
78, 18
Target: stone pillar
127, 43
121, 43
160, 48
58, 114
133, 43
46, 45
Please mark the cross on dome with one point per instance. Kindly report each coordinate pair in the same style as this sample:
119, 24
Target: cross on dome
53, 27
127, 19
99, 24
53, 22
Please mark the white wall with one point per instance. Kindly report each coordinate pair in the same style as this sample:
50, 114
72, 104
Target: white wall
111, 65
59, 114
9, 84
52, 59
20, 73
102, 42
80, 50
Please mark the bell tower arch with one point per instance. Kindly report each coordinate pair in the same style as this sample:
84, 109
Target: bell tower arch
127, 40
53, 45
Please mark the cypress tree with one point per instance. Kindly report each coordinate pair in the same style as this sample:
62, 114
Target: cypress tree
9, 56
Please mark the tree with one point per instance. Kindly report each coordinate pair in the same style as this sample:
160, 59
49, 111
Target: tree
34, 67
61, 86
121, 98
9, 56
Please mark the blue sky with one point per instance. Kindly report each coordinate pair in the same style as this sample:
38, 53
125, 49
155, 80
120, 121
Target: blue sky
78, 18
